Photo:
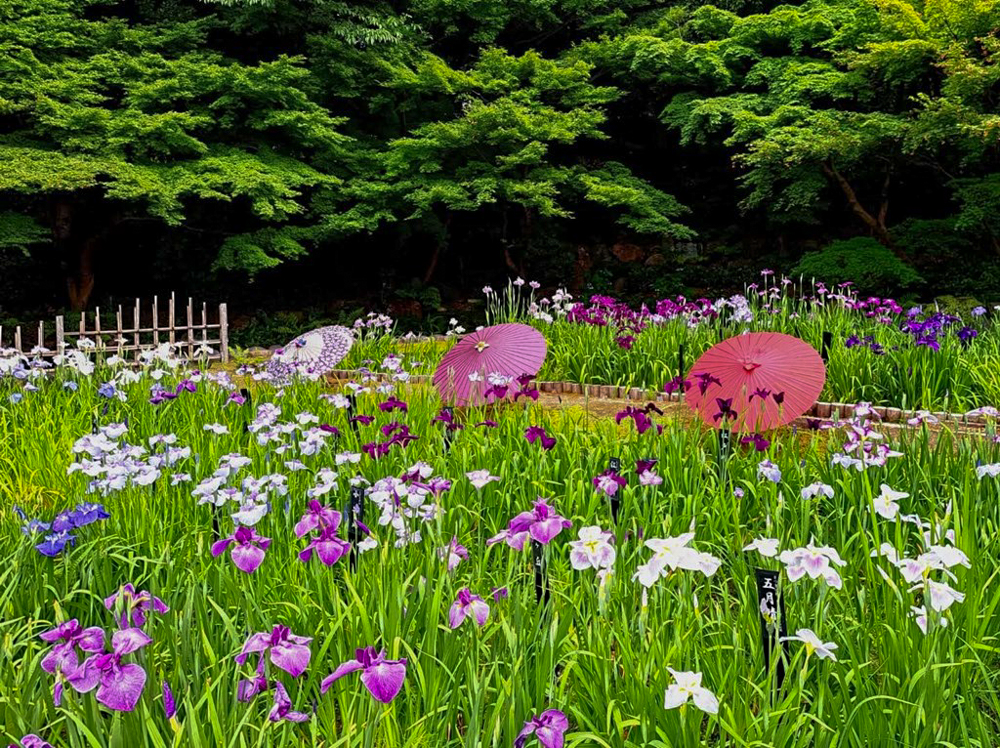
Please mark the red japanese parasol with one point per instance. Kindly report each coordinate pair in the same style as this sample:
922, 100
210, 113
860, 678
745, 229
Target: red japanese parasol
755, 381
486, 357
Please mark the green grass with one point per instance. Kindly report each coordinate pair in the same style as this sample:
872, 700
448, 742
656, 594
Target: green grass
600, 657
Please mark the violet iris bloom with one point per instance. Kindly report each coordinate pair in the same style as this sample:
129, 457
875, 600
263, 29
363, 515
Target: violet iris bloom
468, 605
248, 688
33, 741
282, 709
609, 482
447, 417
62, 660
455, 552
248, 548
542, 523
392, 404
329, 548
535, 433
54, 544
286, 650
778, 397
236, 397
705, 380
642, 466
186, 384
759, 442
678, 383
119, 686
317, 516
761, 393
383, 678
524, 390
169, 705
362, 419
726, 411
548, 727
130, 607
488, 424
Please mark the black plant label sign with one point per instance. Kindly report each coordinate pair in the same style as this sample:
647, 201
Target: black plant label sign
450, 412
541, 578
615, 464
680, 363
351, 405
355, 514
827, 342
771, 609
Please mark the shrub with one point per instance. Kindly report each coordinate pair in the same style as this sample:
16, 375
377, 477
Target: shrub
872, 267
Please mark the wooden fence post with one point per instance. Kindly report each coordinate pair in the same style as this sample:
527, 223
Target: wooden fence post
60, 335
224, 333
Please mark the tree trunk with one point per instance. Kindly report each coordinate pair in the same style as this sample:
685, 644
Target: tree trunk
875, 223
74, 234
438, 248
80, 282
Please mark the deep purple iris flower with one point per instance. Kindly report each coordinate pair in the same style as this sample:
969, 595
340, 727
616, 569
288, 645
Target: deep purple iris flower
317, 516
726, 411
524, 387
327, 546
641, 466
447, 417
130, 607
33, 526
759, 442
282, 709
284, 649
537, 433
497, 391
79, 516
705, 380
383, 678
186, 384
329, 429
759, 392
678, 383
548, 727
119, 685
161, 395
488, 424
169, 705
778, 397
391, 404
247, 548
362, 419
236, 397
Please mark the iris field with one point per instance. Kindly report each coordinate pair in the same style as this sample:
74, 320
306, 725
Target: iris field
182, 568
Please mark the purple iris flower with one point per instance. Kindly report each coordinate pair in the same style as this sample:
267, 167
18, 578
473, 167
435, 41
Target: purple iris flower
447, 417
778, 397
726, 411
328, 547
119, 686
362, 419
186, 384
641, 466
488, 424
548, 727
34, 526
236, 397
759, 442
497, 391
87, 513
248, 548
761, 393
524, 388
852, 341
678, 383
282, 709
161, 395
62, 660
54, 544
130, 607
967, 333
286, 650
317, 516
467, 605
169, 705
392, 404
383, 678
329, 429
33, 741
106, 390
500, 593
638, 415
536, 433
609, 482
248, 688
705, 380
542, 523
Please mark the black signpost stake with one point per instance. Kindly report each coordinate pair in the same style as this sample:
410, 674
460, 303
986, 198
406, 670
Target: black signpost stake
541, 578
355, 514
725, 449
681, 369
771, 609
351, 406
450, 412
827, 342
616, 502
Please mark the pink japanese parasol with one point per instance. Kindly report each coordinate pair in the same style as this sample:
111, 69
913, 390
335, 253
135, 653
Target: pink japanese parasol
486, 357
755, 381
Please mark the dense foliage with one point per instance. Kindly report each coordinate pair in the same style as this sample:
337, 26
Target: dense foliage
157, 143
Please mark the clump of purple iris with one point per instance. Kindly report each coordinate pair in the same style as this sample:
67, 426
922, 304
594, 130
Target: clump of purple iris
640, 416
759, 442
33, 741
541, 524
609, 482
62, 660
537, 433
524, 388
447, 417
467, 605
119, 684
382, 677
247, 548
325, 543
398, 433
130, 607
548, 727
